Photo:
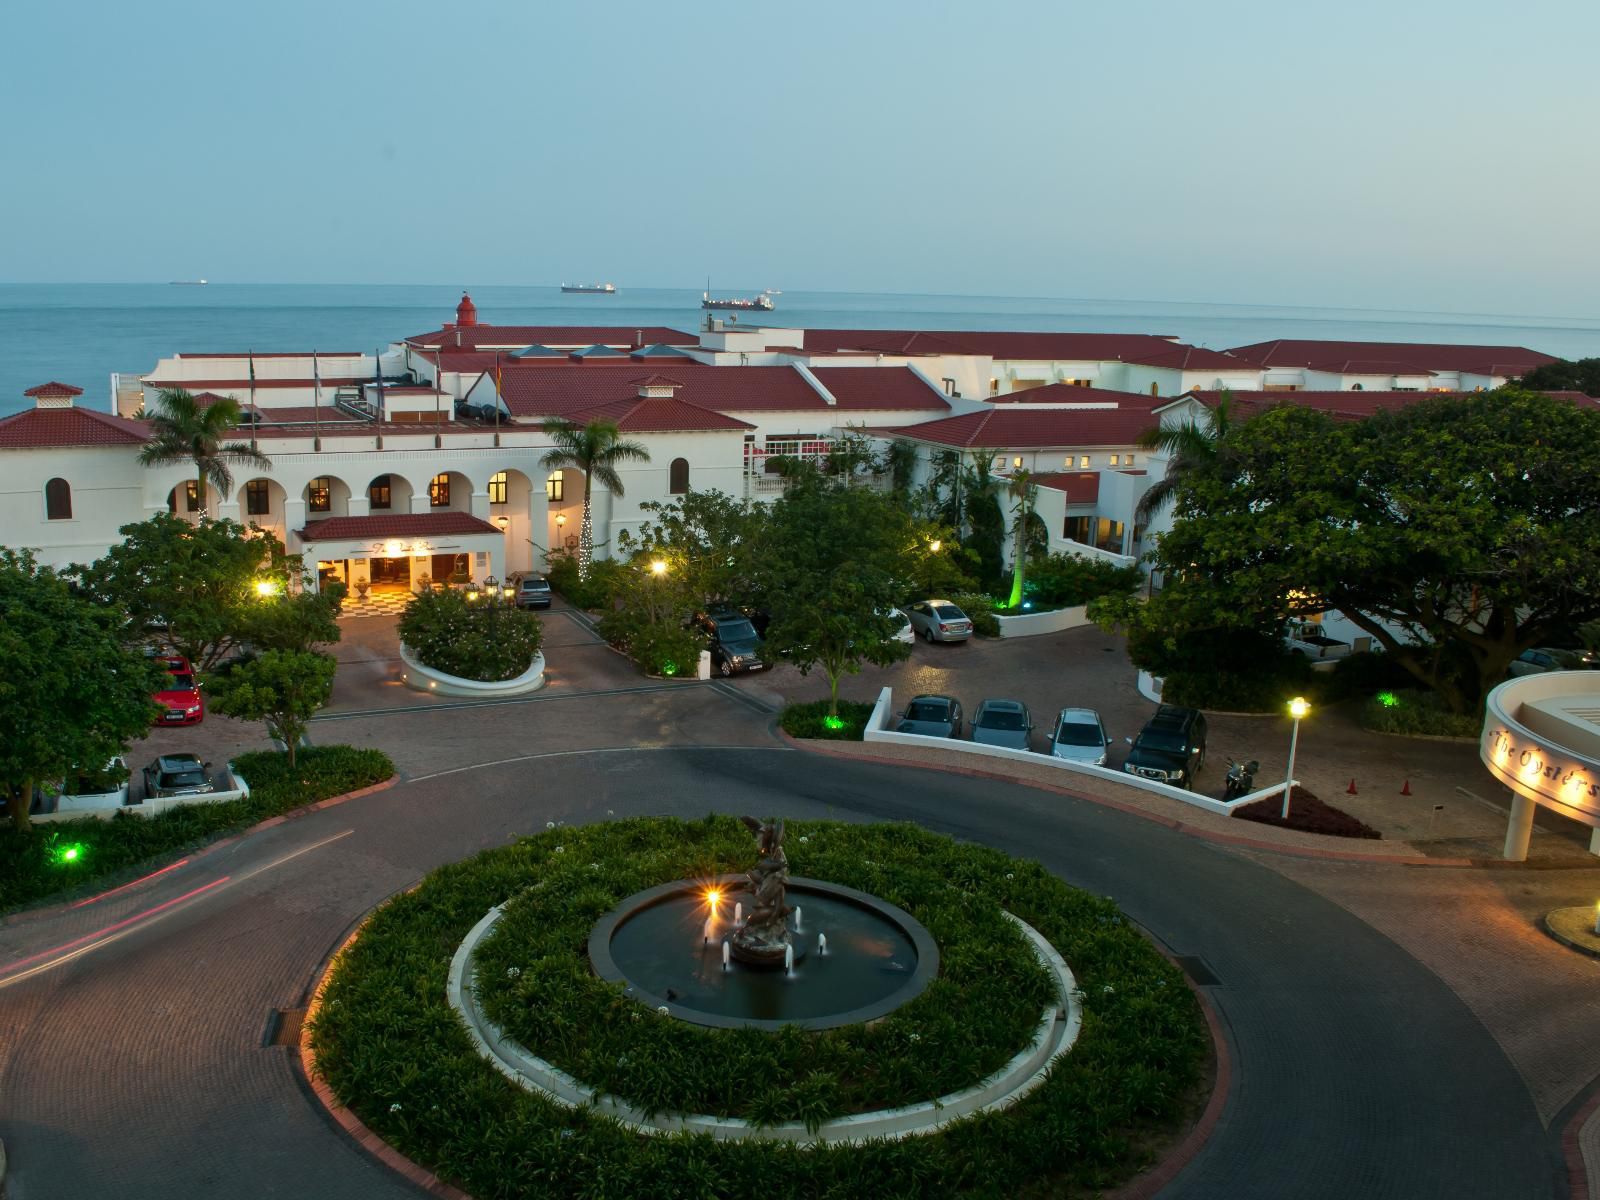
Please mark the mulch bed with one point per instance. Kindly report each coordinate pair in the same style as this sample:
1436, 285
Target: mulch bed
1309, 814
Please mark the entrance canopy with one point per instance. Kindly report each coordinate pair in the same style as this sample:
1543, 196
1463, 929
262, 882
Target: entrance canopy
1541, 738
439, 544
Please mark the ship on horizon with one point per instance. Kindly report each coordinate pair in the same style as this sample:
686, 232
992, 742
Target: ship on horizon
187, 283
591, 289
761, 303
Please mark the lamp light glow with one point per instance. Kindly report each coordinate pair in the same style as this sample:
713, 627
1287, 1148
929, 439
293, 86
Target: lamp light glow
1299, 707
266, 587
658, 567
934, 545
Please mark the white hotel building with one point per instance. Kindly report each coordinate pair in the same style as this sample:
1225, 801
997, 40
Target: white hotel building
437, 470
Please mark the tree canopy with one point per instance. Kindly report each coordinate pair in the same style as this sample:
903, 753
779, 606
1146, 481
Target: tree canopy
72, 695
284, 688
595, 449
1579, 375
182, 430
708, 541
1457, 531
194, 585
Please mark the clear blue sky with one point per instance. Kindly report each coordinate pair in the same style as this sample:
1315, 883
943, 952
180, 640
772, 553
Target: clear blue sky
1378, 153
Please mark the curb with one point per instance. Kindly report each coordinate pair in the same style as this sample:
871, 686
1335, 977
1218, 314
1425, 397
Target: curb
1226, 839
32, 914
342, 1116
1556, 935
1572, 1149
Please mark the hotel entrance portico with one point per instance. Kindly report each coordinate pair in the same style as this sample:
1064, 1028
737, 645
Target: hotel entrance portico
1541, 738
392, 555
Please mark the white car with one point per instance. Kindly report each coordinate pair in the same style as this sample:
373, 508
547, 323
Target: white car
1079, 736
903, 631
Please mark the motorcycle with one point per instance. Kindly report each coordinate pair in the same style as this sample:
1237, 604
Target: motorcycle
1241, 779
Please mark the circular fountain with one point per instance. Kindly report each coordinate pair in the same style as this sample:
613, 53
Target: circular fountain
677, 947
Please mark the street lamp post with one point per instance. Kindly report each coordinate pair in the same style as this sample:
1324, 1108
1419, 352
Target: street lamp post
1298, 707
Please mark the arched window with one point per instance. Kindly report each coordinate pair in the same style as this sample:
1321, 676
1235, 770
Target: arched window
678, 476
439, 491
319, 495
58, 500
497, 488
379, 493
555, 487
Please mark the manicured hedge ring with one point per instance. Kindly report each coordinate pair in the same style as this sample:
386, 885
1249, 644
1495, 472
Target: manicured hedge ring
392, 1049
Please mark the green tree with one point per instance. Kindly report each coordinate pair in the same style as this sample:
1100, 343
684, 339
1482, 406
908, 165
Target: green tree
302, 621
1025, 493
707, 540
1189, 446
487, 640
1580, 375
284, 688
192, 585
184, 431
1458, 531
72, 696
595, 449
835, 560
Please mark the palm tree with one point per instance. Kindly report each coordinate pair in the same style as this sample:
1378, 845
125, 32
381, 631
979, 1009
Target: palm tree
184, 431
594, 449
1189, 447
1024, 491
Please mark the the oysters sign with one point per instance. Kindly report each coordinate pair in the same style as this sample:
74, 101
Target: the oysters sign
1531, 765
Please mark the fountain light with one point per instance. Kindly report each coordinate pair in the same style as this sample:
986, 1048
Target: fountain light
797, 918
738, 913
727, 953
788, 960
712, 897
822, 944
706, 932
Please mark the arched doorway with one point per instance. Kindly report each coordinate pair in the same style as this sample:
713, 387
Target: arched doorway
389, 493
564, 493
261, 502
326, 496
512, 511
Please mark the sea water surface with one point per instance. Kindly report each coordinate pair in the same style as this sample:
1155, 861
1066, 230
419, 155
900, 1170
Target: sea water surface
81, 333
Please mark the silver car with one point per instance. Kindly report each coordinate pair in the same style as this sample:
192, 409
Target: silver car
1079, 736
932, 716
939, 621
1002, 723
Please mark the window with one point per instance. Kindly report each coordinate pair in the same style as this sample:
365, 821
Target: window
257, 499
994, 386
379, 493
58, 500
439, 491
191, 496
497, 488
678, 476
949, 385
999, 462
1076, 529
1016, 462
319, 495
1083, 462
1127, 460
1116, 460
555, 486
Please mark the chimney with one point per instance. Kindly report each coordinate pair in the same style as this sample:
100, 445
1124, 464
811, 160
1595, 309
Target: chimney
53, 395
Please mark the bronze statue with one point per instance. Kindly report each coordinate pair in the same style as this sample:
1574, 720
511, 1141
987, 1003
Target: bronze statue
764, 936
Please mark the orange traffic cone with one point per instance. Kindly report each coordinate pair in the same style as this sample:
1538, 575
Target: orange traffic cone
1351, 790
1405, 788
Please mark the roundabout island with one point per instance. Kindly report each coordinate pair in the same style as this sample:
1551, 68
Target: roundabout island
657, 1003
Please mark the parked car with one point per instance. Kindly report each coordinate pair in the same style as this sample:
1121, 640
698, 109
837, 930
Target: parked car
1548, 658
533, 591
1002, 723
734, 643
177, 775
180, 699
939, 621
902, 627
1171, 747
1079, 736
932, 716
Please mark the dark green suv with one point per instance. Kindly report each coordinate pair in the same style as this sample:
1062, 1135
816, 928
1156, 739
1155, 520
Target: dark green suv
1171, 748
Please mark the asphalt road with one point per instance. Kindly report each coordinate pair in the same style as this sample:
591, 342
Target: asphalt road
132, 1061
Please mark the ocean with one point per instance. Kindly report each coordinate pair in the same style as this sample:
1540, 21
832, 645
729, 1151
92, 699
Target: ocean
81, 333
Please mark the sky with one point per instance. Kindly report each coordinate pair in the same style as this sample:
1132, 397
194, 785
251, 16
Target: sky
1427, 154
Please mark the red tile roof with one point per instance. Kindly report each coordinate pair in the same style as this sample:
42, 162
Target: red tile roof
879, 388
395, 525
558, 388
53, 391
1068, 393
44, 428
243, 385
1018, 427
1191, 358
1436, 356
1368, 366
1081, 487
660, 415
1081, 347
571, 337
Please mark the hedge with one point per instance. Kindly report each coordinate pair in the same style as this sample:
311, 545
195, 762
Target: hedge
31, 869
1412, 711
809, 720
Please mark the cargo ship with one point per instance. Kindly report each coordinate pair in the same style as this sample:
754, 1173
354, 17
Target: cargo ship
591, 289
761, 303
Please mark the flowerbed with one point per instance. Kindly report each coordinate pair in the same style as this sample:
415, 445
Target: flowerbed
393, 1050
1308, 813
1415, 712
483, 640
810, 720
31, 869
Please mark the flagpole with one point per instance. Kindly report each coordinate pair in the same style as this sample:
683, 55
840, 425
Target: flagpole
497, 398
316, 404
252, 401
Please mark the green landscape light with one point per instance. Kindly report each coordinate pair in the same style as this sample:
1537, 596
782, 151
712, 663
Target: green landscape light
69, 854
1388, 700
834, 722
669, 668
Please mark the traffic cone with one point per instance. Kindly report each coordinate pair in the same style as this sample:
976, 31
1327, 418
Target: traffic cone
1405, 788
1351, 790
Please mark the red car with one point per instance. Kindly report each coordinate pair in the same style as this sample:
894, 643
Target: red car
180, 701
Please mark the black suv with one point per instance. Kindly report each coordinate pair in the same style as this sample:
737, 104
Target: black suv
1171, 748
734, 643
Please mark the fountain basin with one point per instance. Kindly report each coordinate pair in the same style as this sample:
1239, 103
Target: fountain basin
878, 958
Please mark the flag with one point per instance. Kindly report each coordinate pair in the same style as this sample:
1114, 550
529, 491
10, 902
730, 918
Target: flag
252, 400
316, 403
377, 374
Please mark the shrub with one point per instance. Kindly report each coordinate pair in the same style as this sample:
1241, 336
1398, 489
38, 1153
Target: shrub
391, 1048
1308, 813
662, 647
1238, 691
981, 609
1415, 712
1066, 580
128, 842
596, 592
809, 720
483, 640
1365, 674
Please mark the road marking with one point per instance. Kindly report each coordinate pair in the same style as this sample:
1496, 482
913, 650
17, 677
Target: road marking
501, 762
79, 946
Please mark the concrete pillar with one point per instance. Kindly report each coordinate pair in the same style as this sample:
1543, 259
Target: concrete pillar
1594, 842
360, 506
1519, 831
294, 516
480, 505
419, 500
600, 517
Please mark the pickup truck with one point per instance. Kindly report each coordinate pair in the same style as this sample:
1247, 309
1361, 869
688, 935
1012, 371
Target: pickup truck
1309, 641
